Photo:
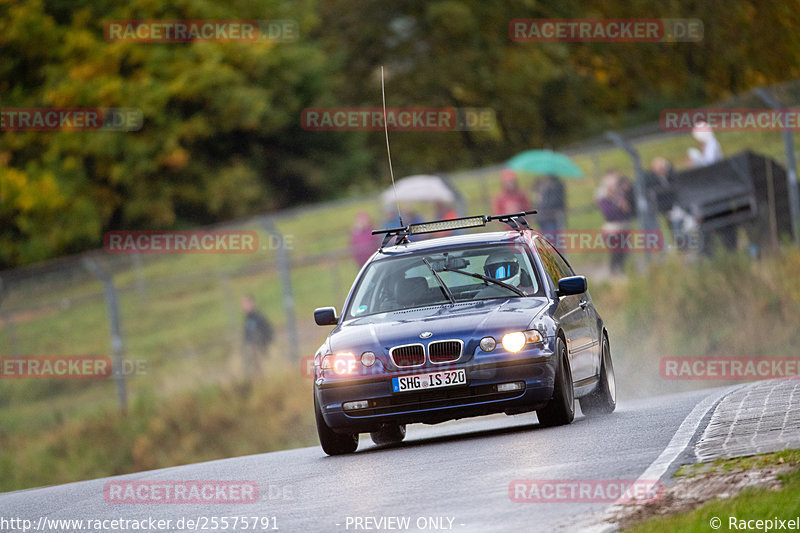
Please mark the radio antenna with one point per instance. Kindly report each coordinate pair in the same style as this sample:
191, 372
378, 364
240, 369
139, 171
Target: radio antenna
388, 151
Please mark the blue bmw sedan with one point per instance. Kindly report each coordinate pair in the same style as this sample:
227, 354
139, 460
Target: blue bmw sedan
459, 326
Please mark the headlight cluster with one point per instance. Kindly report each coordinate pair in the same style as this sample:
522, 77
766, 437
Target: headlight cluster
513, 341
516, 340
345, 363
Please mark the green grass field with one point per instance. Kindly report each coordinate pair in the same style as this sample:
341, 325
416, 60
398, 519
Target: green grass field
751, 504
181, 315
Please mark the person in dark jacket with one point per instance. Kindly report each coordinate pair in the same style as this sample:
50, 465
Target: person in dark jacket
551, 203
660, 185
258, 335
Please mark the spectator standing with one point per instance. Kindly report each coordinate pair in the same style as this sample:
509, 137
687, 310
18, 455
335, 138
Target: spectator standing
551, 203
613, 198
660, 185
660, 190
710, 151
258, 334
362, 242
511, 199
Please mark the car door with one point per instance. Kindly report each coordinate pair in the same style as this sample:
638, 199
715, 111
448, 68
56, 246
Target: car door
574, 315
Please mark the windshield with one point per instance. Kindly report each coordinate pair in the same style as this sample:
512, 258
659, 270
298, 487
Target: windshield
433, 278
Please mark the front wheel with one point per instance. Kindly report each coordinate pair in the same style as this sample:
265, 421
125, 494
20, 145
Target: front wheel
333, 443
602, 400
560, 410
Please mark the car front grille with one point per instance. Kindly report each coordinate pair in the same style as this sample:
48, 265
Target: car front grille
444, 351
408, 355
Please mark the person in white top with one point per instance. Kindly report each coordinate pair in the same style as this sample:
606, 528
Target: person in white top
711, 150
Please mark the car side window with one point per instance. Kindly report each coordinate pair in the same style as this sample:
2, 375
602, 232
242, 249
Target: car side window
562, 264
549, 263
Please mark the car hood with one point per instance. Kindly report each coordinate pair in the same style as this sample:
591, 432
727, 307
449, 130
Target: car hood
464, 320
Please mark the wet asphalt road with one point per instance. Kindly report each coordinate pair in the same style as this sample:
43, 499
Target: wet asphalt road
450, 477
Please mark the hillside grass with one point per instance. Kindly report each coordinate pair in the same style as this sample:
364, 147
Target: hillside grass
186, 324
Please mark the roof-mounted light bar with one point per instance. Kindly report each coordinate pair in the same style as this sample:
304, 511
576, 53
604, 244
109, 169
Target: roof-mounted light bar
446, 225
515, 220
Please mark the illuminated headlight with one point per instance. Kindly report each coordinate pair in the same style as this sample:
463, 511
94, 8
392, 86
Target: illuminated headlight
488, 344
516, 340
368, 358
342, 364
352, 406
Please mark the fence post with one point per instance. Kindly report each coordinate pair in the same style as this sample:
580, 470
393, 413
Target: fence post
117, 346
141, 286
645, 217
285, 273
8, 320
791, 165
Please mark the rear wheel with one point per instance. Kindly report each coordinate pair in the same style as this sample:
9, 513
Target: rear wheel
602, 400
333, 443
389, 434
560, 409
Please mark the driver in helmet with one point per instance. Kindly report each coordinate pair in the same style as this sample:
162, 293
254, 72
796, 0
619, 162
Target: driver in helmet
504, 265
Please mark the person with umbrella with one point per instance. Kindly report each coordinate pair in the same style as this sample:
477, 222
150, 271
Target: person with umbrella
550, 192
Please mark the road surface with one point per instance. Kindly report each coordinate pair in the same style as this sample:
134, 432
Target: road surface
449, 477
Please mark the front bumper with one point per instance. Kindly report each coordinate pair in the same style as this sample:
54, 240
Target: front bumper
478, 397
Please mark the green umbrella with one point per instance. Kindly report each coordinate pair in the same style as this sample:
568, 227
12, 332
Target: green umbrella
545, 162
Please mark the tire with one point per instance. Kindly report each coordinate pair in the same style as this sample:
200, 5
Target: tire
560, 410
389, 434
333, 443
602, 400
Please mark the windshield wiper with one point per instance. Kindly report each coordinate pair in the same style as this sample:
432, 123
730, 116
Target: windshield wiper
444, 287
486, 279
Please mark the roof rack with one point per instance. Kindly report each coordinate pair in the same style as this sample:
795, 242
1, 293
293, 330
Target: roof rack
515, 221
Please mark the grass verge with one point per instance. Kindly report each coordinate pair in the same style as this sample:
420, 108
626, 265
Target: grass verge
751, 504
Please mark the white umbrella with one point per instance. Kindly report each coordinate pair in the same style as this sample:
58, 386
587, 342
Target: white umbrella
421, 188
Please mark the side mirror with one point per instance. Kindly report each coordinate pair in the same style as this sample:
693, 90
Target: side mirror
571, 285
326, 316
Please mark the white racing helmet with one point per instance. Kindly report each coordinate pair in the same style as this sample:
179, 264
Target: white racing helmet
503, 266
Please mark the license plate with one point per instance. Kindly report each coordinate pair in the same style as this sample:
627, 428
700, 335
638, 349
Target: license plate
434, 380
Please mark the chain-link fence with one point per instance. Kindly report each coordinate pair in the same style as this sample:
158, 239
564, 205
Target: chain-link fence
180, 315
